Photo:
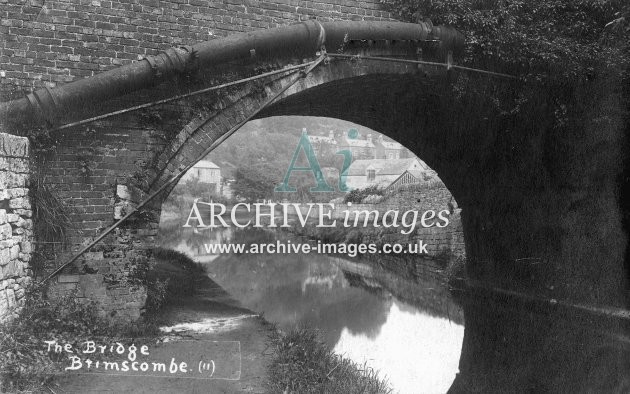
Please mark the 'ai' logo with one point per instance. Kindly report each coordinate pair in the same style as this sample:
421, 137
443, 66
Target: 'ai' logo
313, 166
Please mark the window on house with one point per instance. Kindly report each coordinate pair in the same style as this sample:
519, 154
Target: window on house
371, 175
390, 155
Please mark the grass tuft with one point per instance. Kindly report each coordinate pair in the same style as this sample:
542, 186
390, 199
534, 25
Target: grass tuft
302, 363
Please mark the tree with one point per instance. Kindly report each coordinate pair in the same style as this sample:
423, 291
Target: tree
533, 39
568, 56
571, 59
253, 183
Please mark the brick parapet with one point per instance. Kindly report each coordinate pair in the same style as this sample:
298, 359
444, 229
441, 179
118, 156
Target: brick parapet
46, 43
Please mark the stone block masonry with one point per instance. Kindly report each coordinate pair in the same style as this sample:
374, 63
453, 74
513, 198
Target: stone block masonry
16, 226
439, 240
449, 239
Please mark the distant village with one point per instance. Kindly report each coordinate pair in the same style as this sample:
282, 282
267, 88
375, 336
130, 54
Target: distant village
376, 162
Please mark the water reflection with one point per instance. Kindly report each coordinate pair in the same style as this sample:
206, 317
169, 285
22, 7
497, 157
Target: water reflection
417, 352
409, 330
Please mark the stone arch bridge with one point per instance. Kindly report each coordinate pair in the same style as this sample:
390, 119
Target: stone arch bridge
526, 214
103, 166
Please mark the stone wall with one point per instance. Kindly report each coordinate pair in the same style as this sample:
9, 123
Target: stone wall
45, 43
15, 224
439, 240
436, 198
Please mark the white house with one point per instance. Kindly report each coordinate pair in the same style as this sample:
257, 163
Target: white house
206, 172
381, 172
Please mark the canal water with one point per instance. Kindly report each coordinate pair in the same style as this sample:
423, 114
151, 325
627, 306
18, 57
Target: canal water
408, 329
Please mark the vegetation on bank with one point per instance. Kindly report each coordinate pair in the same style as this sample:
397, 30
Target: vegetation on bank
172, 275
358, 196
302, 363
25, 363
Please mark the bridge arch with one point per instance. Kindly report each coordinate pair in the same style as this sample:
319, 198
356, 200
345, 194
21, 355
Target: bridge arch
318, 94
412, 105
521, 227
108, 163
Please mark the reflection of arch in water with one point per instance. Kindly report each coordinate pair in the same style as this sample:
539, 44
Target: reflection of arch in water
424, 294
329, 278
331, 312
201, 237
273, 284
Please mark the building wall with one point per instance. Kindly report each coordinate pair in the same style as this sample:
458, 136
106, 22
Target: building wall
209, 176
359, 152
392, 154
15, 224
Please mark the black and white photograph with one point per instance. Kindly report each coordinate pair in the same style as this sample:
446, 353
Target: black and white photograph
315, 196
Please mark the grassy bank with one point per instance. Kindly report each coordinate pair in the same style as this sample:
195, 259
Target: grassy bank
302, 363
25, 364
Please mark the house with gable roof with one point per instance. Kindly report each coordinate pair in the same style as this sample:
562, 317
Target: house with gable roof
382, 172
412, 177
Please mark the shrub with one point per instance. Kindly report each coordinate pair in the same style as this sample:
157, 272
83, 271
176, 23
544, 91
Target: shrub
51, 222
358, 195
156, 295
